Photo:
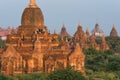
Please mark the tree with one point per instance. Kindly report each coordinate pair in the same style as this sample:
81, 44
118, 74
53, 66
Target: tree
114, 43
3, 77
66, 74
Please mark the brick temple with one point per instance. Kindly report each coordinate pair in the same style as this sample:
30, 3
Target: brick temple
34, 49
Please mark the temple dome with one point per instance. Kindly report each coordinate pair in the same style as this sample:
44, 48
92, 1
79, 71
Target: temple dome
32, 15
64, 32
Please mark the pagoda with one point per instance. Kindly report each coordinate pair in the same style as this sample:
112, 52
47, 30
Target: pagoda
64, 32
113, 32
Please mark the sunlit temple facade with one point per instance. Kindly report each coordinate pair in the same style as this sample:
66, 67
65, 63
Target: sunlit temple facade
34, 49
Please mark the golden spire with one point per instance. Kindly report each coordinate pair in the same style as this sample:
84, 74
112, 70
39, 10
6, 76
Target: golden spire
79, 24
32, 4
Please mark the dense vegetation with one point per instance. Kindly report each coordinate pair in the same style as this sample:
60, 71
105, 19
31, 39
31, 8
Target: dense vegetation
114, 43
102, 64
2, 44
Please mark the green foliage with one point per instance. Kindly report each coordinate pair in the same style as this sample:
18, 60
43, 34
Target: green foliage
114, 43
24, 77
2, 43
113, 64
3, 77
98, 40
66, 74
35, 76
102, 64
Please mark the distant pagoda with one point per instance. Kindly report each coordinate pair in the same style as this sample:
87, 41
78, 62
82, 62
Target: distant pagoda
113, 32
81, 37
64, 32
97, 31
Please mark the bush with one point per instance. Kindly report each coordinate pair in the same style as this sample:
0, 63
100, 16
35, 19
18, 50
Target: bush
35, 76
66, 74
3, 77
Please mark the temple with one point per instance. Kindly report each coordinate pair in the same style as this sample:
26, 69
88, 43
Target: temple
86, 40
97, 31
34, 49
64, 32
113, 32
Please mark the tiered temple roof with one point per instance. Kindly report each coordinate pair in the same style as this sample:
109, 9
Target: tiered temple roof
64, 32
113, 32
97, 31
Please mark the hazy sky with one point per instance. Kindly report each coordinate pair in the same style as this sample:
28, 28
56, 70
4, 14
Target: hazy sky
69, 12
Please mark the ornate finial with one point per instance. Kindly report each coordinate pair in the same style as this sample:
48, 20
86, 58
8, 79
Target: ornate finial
96, 21
87, 31
79, 27
54, 31
79, 24
113, 25
63, 25
32, 4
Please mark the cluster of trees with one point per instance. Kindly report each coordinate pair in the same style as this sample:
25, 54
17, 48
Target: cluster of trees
102, 64
2, 43
114, 43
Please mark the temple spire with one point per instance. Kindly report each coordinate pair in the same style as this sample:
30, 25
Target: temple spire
32, 4
113, 32
79, 24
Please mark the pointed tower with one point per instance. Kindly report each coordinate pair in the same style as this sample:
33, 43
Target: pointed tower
87, 32
80, 37
55, 36
64, 32
37, 56
80, 28
79, 34
37, 45
104, 45
113, 32
92, 41
77, 59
